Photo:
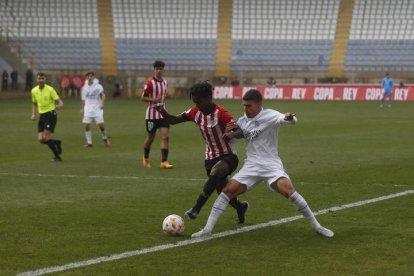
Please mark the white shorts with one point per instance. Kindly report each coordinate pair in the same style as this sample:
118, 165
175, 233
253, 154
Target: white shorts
95, 116
251, 174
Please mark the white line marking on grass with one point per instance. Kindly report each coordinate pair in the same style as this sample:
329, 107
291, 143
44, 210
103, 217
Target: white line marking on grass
102, 176
180, 179
127, 254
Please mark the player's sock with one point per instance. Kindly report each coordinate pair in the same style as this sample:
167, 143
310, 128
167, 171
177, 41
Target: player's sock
216, 211
235, 203
146, 152
58, 146
88, 135
52, 146
104, 135
303, 207
208, 189
164, 155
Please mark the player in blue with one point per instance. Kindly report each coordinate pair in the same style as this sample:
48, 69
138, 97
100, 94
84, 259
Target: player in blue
387, 85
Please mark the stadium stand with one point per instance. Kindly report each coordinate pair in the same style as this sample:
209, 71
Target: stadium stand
381, 37
182, 33
283, 36
65, 37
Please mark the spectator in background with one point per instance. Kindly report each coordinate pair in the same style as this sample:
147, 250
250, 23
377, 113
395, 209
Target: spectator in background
272, 82
4, 81
235, 83
402, 84
387, 86
73, 90
118, 90
14, 77
29, 80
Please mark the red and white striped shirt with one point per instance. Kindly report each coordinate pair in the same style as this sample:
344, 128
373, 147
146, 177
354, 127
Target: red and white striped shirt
212, 127
155, 88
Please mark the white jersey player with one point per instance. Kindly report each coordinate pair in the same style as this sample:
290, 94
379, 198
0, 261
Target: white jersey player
93, 103
260, 129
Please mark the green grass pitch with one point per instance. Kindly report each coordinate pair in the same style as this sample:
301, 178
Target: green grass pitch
101, 201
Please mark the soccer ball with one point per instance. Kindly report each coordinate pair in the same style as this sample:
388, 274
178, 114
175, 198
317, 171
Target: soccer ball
173, 225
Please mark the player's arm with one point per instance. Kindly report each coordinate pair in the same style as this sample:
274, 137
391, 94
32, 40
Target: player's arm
103, 98
290, 118
232, 131
146, 98
171, 118
58, 104
34, 108
82, 106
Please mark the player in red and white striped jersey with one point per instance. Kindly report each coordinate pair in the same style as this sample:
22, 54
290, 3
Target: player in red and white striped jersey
155, 93
220, 157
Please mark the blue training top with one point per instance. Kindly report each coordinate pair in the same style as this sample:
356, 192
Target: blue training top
387, 84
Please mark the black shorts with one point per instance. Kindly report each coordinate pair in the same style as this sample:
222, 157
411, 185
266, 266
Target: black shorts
47, 121
153, 125
230, 159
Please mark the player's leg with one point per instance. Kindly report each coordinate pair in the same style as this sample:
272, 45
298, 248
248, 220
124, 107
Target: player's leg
284, 186
389, 99
232, 190
165, 137
217, 171
46, 127
88, 134
104, 135
87, 120
44, 138
151, 130
382, 98
100, 121
241, 207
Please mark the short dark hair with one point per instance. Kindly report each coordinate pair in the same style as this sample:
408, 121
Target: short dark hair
253, 95
41, 74
202, 89
159, 64
90, 73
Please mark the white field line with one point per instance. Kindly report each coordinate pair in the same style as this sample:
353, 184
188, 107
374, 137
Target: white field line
101, 176
177, 179
127, 254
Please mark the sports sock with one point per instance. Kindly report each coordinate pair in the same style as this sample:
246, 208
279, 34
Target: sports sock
103, 134
58, 146
146, 152
164, 154
88, 135
235, 203
216, 211
302, 206
52, 145
208, 189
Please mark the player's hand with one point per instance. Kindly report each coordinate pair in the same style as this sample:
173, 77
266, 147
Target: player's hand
159, 107
33, 117
231, 126
81, 111
102, 106
58, 107
228, 132
289, 116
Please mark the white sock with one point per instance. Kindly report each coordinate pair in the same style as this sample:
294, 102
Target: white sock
303, 207
103, 134
88, 135
218, 208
